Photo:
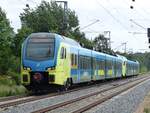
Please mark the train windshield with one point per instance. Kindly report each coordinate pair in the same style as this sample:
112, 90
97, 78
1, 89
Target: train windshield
40, 48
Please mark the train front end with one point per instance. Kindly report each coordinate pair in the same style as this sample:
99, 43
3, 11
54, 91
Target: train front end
38, 57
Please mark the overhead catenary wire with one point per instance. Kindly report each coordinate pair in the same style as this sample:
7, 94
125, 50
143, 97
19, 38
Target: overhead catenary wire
124, 43
137, 24
117, 11
89, 24
113, 17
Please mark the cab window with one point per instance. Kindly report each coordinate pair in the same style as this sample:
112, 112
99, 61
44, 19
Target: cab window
63, 53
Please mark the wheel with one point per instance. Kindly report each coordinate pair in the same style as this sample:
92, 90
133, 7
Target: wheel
67, 84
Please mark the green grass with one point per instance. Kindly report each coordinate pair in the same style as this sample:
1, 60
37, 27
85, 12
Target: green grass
146, 110
8, 87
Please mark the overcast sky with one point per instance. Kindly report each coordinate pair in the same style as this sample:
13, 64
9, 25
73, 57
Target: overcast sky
113, 15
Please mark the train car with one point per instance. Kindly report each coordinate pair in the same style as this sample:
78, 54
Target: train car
98, 65
132, 68
51, 59
46, 60
112, 66
85, 67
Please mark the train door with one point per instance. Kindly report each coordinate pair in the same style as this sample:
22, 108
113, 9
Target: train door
94, 69
62, 59
78, 66
74, 66
115, 68
97, 69
63, 62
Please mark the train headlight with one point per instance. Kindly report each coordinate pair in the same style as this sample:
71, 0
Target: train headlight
51, 68
27, 68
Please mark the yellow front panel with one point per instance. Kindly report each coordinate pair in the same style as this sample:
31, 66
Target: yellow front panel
62, 71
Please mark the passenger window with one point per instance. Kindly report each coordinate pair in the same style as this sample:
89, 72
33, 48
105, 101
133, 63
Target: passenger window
72, 59
62, 53
65, 55
75, 59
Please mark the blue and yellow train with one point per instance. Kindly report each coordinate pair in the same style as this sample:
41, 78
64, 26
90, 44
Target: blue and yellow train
52, 59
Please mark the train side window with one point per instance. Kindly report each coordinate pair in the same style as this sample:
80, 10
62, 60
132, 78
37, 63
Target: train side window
75, 59
72, 59
65, 53
62, 53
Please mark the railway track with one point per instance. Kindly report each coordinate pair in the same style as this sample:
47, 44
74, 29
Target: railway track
99, 97
11, 98
16, 100
22, 100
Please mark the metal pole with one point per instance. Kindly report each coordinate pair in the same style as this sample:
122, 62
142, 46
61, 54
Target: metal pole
125, 46
65, 20
109, 41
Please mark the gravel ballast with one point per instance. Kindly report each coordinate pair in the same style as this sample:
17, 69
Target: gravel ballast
126, 102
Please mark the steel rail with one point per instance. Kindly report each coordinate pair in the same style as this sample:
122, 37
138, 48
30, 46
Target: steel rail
11, 98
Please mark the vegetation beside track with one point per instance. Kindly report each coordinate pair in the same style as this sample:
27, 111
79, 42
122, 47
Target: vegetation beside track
147, 104
9, 87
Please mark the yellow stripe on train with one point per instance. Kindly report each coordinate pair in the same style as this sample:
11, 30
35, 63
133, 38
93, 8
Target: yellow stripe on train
109, 72
101, 72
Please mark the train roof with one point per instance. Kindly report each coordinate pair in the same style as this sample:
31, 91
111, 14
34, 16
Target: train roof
98, 54
122, 57
83, 51
133, 62
68, 40
57, 36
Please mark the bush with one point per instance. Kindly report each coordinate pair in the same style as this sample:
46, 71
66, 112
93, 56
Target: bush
6, 90
146, 110
14, 76
8, 86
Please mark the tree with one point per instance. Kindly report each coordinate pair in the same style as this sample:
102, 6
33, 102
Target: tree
101, 44
6, 42
80, 37
48, 17
19, 38
6, 32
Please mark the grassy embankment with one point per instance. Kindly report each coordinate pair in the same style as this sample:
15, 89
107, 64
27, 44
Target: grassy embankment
9, 87
146, 105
